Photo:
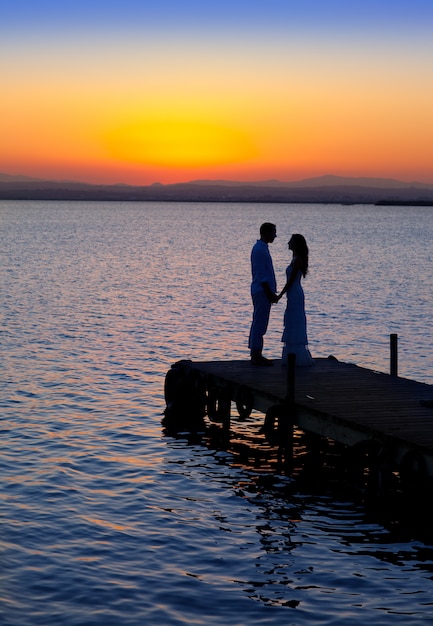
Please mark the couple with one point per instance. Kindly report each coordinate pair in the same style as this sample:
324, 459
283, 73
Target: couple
263, 292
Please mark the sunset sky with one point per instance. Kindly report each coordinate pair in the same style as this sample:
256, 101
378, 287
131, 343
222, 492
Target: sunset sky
177, 90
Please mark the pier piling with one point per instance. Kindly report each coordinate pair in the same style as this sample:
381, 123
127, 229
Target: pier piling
394, 354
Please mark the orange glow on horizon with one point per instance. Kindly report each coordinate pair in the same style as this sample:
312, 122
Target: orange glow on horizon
179, 144
166, 114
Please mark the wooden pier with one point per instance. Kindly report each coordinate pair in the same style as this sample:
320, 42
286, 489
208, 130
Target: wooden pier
390, 416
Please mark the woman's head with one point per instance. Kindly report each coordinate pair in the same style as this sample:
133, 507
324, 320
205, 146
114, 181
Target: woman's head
299, 247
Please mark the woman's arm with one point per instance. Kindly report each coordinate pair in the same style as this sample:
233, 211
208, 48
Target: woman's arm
296, 267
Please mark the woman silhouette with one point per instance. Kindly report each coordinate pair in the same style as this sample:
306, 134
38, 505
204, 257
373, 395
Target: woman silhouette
295, 322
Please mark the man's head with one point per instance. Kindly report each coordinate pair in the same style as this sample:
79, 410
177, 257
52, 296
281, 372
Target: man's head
268, 232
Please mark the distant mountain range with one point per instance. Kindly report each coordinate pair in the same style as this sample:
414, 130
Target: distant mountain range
329, 189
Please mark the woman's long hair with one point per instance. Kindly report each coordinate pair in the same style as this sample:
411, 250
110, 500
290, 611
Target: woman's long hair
300, 250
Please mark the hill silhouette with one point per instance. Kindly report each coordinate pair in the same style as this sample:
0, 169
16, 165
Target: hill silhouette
324, 189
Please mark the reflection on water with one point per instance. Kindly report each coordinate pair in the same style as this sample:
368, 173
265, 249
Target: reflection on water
107, 521
327, 555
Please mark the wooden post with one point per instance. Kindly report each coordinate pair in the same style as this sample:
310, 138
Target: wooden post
286, 421
394, 355
224, 408
290, 389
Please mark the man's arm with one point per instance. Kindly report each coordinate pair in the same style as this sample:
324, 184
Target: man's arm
268, 291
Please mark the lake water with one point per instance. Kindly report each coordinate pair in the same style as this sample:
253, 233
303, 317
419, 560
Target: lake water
107, 521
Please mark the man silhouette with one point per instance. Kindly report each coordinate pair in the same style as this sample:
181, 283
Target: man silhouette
263, 291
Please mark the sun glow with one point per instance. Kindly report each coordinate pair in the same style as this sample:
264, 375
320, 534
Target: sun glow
175, 108
179, 143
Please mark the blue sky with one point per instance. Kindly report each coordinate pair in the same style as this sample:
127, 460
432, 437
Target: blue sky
332, 15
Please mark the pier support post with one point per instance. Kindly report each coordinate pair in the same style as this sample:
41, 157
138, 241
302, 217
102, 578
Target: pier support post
290, 380
225, 411
393, 355
286, 422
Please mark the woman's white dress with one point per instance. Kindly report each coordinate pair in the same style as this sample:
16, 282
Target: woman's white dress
295, 324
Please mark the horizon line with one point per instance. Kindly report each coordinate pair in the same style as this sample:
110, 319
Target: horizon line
328, 178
